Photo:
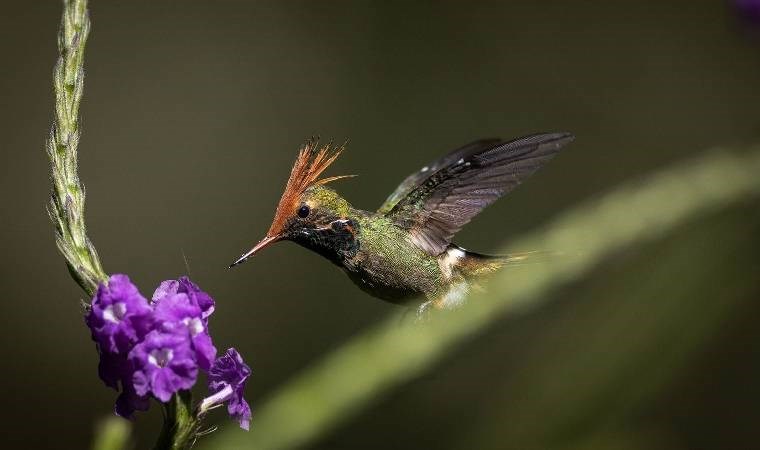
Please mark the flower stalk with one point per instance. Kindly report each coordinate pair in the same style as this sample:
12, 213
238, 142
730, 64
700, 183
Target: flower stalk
68, 196
181, 425
148, 350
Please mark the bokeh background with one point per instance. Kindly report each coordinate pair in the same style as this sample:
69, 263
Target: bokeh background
193, 113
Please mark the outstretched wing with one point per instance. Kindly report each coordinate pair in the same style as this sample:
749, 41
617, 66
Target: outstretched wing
415, 179
434, 204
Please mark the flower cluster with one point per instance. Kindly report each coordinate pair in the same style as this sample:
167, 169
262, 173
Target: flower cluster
157, 348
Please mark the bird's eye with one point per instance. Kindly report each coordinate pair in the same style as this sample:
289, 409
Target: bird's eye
303, 211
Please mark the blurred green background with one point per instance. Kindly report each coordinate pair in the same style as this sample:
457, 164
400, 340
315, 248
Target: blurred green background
192, 116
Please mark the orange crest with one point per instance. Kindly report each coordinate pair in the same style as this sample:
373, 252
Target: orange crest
311, 162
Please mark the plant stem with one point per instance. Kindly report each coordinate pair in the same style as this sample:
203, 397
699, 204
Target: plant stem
180, 424
67, 200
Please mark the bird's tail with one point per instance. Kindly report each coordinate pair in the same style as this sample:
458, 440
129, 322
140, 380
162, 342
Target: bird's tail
476, 265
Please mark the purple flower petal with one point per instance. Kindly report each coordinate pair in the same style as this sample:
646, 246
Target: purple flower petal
119, 316
113, 368
129, 401
164, 364
175, 308
165, 288
162, 386
229, 372
205, 352
200, 298
177, 312
184, 286
239, 410
140, 383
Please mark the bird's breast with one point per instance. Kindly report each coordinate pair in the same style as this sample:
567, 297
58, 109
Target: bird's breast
387, 266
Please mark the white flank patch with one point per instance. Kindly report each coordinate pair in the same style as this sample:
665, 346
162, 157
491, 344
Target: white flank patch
447, 263
454, 298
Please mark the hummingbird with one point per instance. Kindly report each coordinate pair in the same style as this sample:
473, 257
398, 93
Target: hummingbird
403, 252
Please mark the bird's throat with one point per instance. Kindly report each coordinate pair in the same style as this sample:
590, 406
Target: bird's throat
337, 241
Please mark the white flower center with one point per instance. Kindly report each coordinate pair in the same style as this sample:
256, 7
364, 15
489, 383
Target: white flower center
115, 313
160, 357
194, 324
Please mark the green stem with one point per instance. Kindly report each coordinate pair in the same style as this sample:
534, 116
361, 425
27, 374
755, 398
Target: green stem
180, 424
67, 200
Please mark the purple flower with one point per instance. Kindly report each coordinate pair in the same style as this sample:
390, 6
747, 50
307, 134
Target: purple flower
226, 382
187, 287
202, 299
114, 367
164, 363
176, 312
128, 401
165, 288
155, 349
119, 316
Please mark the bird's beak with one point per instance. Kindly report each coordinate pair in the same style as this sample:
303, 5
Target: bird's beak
262, 243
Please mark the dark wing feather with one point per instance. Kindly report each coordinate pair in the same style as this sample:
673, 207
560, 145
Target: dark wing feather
414, 180
443, 202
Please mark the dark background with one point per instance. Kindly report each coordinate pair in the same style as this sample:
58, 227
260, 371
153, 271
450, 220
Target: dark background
192, 116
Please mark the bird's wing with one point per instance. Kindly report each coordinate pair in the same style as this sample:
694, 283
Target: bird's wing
415, 179
434, 204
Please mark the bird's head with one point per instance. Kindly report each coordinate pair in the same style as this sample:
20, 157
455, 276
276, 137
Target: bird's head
309, 212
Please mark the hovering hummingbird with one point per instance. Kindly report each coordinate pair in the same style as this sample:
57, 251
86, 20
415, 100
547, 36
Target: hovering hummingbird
403, 251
